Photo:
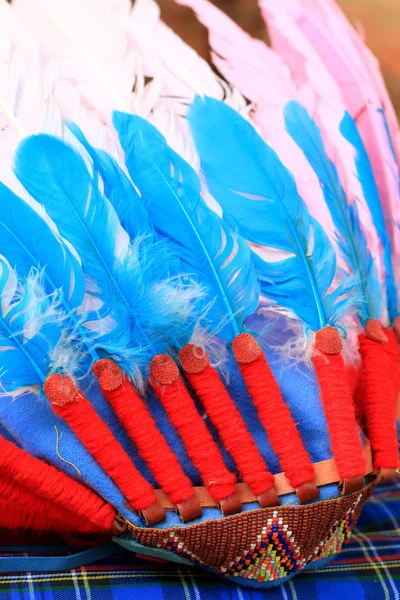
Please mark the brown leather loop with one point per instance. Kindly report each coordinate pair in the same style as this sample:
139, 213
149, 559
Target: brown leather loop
268, 499
389, 474
118, 526
307, 492
351, 485
325, 473
153, 514
189, 509
231, 505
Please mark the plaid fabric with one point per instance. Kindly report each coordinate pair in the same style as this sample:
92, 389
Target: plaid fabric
367, 569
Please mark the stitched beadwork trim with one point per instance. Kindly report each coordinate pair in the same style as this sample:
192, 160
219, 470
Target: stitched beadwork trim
266, 544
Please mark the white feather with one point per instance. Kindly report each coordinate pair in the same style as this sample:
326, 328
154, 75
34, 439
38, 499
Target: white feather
88, 43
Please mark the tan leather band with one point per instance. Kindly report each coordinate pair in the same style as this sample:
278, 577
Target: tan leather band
325, 473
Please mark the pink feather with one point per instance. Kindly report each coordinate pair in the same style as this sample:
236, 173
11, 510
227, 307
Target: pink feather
265, 79
307, 65
263, 76
330, 13
329, 39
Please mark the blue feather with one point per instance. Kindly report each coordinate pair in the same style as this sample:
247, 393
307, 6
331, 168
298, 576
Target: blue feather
260, 200
349, 130
117, 188
171, 191
27, 241
25, 358
350, 237
142, 309
57, 177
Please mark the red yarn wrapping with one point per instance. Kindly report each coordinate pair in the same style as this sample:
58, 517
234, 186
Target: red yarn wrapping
277, 421
25, 504
108, 452
142, 429
232, 429
340, 415
198, 441
49, 483
380, 371
18, 518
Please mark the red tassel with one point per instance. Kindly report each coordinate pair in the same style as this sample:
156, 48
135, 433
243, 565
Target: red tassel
338, 406
230, 425
380, 371
70, 404
274, 414
27, 510
142, 430
53, 485
181, 410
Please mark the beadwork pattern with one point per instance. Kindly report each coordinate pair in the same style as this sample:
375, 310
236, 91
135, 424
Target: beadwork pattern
266, 544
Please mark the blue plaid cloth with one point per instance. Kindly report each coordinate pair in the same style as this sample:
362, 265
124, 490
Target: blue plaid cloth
367, 569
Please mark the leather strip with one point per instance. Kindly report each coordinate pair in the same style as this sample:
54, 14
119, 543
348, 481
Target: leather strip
325, 473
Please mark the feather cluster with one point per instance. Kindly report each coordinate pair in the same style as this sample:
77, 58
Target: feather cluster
291, 184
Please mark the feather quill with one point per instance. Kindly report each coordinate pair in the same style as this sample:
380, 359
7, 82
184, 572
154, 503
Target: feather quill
26, 106
93, 77
260, 200
263, 76
179, 73
328, 15
102, 72
171, 191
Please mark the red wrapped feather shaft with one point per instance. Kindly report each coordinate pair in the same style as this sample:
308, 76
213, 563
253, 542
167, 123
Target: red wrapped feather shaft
27, 510
201, 448
378, 349
339, 408
275, 416
142, 430
71, 405
229, 423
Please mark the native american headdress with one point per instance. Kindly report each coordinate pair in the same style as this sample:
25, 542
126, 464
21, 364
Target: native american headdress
198, 282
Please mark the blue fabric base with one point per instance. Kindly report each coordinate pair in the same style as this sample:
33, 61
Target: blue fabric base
30, 421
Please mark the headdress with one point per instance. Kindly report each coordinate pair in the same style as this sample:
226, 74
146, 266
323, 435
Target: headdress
198, 282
